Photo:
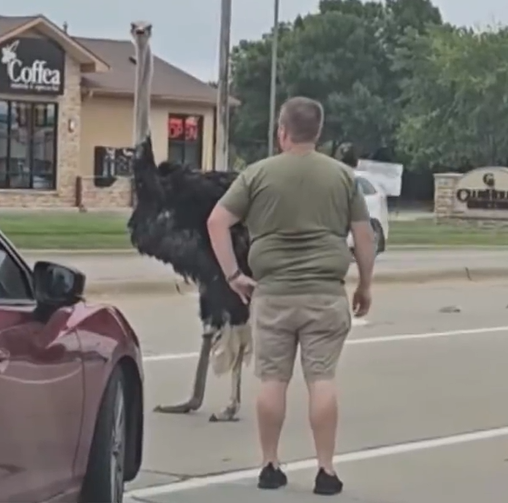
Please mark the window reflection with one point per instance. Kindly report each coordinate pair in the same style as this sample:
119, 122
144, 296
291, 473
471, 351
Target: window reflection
19, 162
28, 138
185, 139
4, 140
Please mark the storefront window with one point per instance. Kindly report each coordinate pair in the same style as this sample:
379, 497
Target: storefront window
185, 139
28, 136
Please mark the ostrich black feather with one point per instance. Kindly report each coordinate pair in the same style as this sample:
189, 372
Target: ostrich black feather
169, 223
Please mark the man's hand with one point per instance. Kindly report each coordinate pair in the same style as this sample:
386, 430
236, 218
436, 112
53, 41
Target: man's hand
362, 299
365, 254
243, 286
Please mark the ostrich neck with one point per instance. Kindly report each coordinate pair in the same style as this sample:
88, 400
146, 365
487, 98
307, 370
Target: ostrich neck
142, 93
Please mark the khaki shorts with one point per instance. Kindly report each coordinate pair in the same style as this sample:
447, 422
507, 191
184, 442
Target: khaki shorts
319, 323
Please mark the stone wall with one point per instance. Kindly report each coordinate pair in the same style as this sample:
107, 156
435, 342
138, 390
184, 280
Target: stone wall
444, 192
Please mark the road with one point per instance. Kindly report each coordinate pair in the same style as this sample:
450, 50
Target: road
424, 415
131, 267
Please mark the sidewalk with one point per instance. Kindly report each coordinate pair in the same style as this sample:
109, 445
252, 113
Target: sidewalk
132, 273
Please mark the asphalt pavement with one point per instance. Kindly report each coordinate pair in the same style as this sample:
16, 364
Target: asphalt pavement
121, 272
424, 415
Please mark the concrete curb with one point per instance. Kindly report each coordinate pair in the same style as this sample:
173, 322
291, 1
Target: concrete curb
179, 286
144, 287
446, 247
99, 252
436, 276
130, 251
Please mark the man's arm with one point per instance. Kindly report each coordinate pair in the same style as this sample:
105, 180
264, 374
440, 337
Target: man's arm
364, 251
231, 209
363, 236
219, 224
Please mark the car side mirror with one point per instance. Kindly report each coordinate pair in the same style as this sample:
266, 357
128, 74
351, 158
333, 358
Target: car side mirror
56, 285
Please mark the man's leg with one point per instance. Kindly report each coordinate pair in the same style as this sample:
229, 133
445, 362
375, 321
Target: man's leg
321, 339
271, 412
275, 350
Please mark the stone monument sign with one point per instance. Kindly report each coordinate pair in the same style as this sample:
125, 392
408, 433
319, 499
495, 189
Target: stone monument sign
480, 194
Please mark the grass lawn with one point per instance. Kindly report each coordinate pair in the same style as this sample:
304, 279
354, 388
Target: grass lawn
66, 230
426, 232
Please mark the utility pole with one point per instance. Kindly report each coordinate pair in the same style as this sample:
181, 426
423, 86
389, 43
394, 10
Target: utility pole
222, 115
273, 77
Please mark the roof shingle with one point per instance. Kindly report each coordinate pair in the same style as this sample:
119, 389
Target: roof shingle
8, 24
169, 82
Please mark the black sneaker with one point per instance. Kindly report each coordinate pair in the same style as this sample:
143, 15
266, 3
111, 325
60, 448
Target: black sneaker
271, 478
327, 484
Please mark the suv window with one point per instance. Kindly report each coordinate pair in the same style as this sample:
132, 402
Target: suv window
12, 279
367, 188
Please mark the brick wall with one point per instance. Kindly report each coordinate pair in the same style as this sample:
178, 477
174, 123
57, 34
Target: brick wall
118, 195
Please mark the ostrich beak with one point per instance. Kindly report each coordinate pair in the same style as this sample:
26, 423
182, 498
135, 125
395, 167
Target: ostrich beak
141, 28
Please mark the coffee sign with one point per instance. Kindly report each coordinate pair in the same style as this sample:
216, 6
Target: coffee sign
483, 189
32, 66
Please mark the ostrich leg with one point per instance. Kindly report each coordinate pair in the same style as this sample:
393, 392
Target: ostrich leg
198, 393
229, 414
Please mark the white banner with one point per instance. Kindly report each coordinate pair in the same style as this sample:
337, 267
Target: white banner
387, 175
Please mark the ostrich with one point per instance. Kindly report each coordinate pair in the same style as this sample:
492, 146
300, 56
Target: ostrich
169, 223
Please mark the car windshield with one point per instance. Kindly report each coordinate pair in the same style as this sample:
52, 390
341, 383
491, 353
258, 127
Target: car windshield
367, 188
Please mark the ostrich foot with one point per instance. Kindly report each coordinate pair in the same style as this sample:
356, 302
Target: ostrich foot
196, 400
228, 415
183, 408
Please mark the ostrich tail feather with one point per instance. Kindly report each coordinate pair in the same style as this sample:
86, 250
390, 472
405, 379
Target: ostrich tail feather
226, 347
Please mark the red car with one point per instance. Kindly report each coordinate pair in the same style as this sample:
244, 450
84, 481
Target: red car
71, 388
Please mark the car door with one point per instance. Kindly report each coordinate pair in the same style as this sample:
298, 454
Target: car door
41, 390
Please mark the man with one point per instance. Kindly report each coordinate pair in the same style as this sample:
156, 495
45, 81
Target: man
299, 207
347, 154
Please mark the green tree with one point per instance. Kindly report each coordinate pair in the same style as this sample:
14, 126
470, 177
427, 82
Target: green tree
344, 57
456, 101
250, 84
338, 59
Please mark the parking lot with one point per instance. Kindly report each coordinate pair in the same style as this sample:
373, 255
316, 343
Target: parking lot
424, 414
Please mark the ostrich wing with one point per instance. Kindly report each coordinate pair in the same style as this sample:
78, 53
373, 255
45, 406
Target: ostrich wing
185, 249
172, 227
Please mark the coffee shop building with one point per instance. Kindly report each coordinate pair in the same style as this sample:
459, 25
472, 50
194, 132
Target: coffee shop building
66, 117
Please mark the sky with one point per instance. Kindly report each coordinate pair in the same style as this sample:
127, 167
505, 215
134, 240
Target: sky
185, 33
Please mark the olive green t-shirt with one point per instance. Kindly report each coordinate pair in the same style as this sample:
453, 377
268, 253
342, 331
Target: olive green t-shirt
298, 209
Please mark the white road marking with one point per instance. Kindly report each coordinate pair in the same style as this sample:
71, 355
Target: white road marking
356, 342
377, 452
169, 357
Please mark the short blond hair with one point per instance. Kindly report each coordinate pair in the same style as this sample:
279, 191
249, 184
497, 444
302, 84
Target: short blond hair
302, 118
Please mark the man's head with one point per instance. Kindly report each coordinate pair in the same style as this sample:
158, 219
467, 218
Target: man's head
347, 154
300, 122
